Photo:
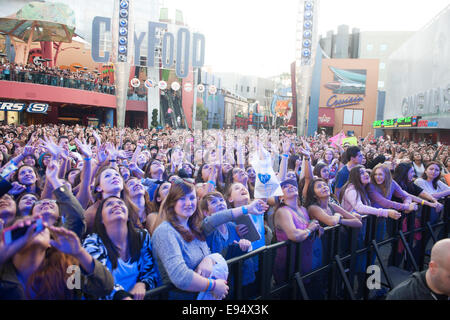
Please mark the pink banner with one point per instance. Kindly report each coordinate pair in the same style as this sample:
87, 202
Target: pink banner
337, 139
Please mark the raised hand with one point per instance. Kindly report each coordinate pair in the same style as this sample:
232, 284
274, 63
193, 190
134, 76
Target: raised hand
132, 166
101, 154
65, 240
84, 148
286, 146
49, 144
9, 250
306, 145
306, 153
258, 207
17, 188
97, 138
65, 154
28, 150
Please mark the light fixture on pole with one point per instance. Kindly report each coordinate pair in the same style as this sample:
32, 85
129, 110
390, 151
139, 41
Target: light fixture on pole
305, 47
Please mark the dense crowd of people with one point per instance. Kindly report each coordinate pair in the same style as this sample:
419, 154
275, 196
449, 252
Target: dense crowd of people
54, 76
134, 209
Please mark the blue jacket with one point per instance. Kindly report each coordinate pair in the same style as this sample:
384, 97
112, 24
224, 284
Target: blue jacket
148, 270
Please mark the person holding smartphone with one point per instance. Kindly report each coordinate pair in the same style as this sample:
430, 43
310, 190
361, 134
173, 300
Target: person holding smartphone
35, 265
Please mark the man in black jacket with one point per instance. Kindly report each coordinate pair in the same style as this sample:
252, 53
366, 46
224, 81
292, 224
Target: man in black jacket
431, 284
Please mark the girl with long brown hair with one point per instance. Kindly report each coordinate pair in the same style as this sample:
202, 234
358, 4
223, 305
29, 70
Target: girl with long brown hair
124, 249
180, 247
153, 218
381, 189
37, 266
107, 182
353, 195
138, 202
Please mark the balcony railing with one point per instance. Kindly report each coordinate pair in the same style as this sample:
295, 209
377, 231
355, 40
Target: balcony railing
56, 80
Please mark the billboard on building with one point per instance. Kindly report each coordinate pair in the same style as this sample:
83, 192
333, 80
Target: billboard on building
348, 95
418, 75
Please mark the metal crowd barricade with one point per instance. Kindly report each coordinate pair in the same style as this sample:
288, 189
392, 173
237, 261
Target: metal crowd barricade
346, 248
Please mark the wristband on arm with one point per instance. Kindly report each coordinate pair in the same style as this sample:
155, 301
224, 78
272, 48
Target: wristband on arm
212, 182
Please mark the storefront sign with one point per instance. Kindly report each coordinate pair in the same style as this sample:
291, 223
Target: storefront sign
18, 107
428, 124
433, 101
398, 122
326, 117
334, 102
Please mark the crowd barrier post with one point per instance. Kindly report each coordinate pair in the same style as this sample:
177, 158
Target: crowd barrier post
299, 286
266, 274
370, 233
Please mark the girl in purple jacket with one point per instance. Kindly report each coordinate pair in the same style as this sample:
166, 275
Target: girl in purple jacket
380, 190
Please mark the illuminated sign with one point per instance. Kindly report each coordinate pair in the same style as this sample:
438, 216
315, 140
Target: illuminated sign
183, 47
396, 123
334, 102
428, 124
18, 107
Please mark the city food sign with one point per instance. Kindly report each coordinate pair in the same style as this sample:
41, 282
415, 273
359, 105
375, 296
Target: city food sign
184, 46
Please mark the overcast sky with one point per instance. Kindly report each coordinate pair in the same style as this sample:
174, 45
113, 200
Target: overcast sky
258, 36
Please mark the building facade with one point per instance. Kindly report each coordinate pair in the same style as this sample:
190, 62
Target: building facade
141, 99
348, 96
418, 85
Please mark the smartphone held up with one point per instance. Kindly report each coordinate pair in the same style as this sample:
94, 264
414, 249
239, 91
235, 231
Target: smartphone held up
15, 232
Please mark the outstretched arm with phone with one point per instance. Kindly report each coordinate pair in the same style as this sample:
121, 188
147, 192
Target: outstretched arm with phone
14, 238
